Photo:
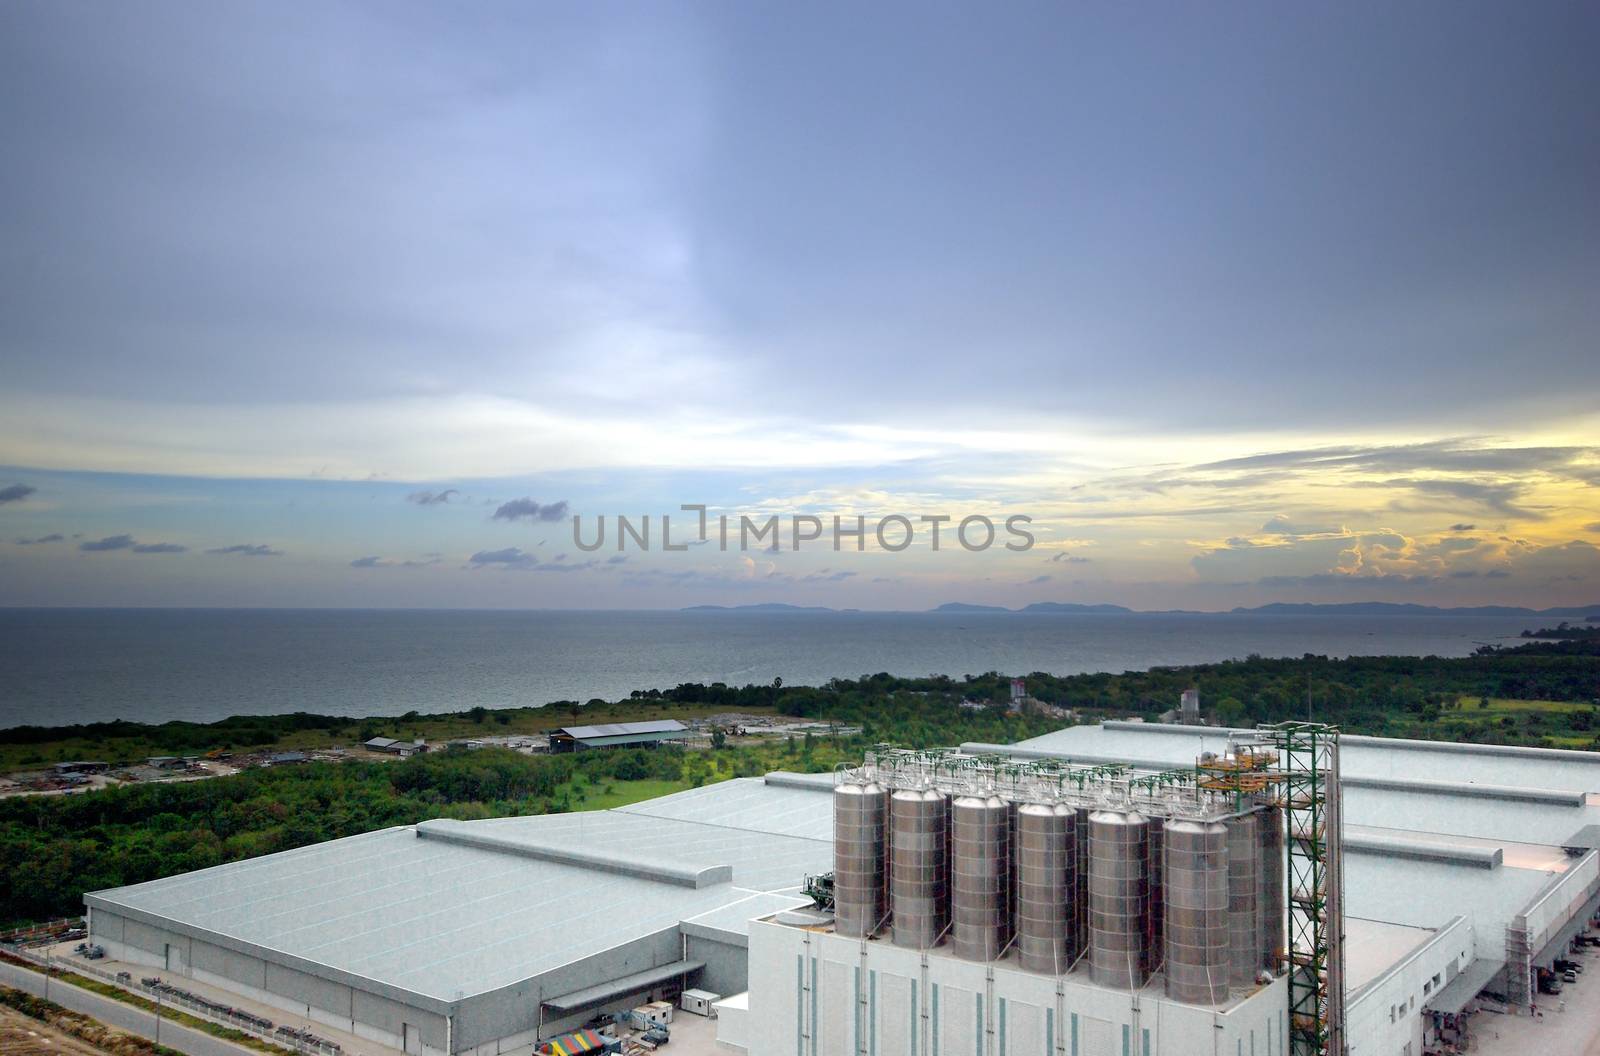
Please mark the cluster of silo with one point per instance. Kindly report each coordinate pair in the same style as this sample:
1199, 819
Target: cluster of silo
1123, 892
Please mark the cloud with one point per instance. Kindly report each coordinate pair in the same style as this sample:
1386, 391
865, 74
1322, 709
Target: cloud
617, 559
247, 550
1594, 527
1498, 497
1035, 581
1281, 525
1070, 559
158, 548
1463, 527
110, 542
16, 493
375, 561
54, 537
528, 509
431, 498
511, 557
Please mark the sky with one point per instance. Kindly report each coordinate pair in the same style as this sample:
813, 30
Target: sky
359, 304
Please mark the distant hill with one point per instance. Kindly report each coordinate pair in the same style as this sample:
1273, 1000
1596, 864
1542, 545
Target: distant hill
961, 606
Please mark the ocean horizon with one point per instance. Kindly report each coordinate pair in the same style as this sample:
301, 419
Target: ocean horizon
68, 666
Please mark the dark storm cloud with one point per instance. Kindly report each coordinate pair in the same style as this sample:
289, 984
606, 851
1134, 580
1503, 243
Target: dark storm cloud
110, 542
431, 498
51, 538
159, 548
247, 550
15, 493
529, 510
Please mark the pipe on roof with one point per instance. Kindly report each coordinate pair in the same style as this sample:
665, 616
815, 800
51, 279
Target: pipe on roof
682, 874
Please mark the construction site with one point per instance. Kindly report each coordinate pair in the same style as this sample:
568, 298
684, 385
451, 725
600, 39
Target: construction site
1125, 889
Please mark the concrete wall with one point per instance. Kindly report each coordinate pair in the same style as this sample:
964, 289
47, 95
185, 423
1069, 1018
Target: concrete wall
815, 994
727, 965
368, 1015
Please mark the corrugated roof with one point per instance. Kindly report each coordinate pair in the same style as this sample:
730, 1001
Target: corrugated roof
445, 920
624, 729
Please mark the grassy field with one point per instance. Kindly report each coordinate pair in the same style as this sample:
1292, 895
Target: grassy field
611, 794
1549, 720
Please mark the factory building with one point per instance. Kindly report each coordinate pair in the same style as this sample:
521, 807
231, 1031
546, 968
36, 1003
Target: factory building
959, 926
617, 735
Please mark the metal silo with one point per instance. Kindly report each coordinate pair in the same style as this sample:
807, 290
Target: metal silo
1154, 912
860, 834
1080, 904
1046, 866
1270, 903
980, 877
1118, 854
1244, 872
1197, 958
919, 830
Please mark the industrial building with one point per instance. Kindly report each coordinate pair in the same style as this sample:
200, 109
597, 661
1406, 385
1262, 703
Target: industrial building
957, 926
617, 735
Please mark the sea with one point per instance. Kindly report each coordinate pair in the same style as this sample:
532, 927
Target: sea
67, 666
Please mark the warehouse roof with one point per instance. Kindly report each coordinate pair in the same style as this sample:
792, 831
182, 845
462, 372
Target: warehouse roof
623, 729
1376, 757
430, 916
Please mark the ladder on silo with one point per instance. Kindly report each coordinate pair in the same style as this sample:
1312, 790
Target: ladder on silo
1308, 765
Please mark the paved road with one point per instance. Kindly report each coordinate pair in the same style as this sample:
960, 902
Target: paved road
122, 1016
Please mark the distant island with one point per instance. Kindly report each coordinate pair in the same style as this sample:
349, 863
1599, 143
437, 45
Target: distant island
1279, 608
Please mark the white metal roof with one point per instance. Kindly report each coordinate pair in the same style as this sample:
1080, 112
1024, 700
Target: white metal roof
624, 729
444, 919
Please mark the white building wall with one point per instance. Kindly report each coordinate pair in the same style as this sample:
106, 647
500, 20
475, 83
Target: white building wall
820, 994
1386, 1018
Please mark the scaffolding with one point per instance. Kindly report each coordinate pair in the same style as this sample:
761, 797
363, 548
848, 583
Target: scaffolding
1307, 769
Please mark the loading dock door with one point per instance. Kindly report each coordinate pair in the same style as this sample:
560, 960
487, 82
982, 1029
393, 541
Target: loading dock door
410, 1039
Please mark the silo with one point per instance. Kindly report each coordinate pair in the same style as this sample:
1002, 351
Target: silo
1118, 860
1244, 872
980, 877
1270, 899
860, 831
1154, 912
1197, 958
1080, 905
919, 831
1046, 867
